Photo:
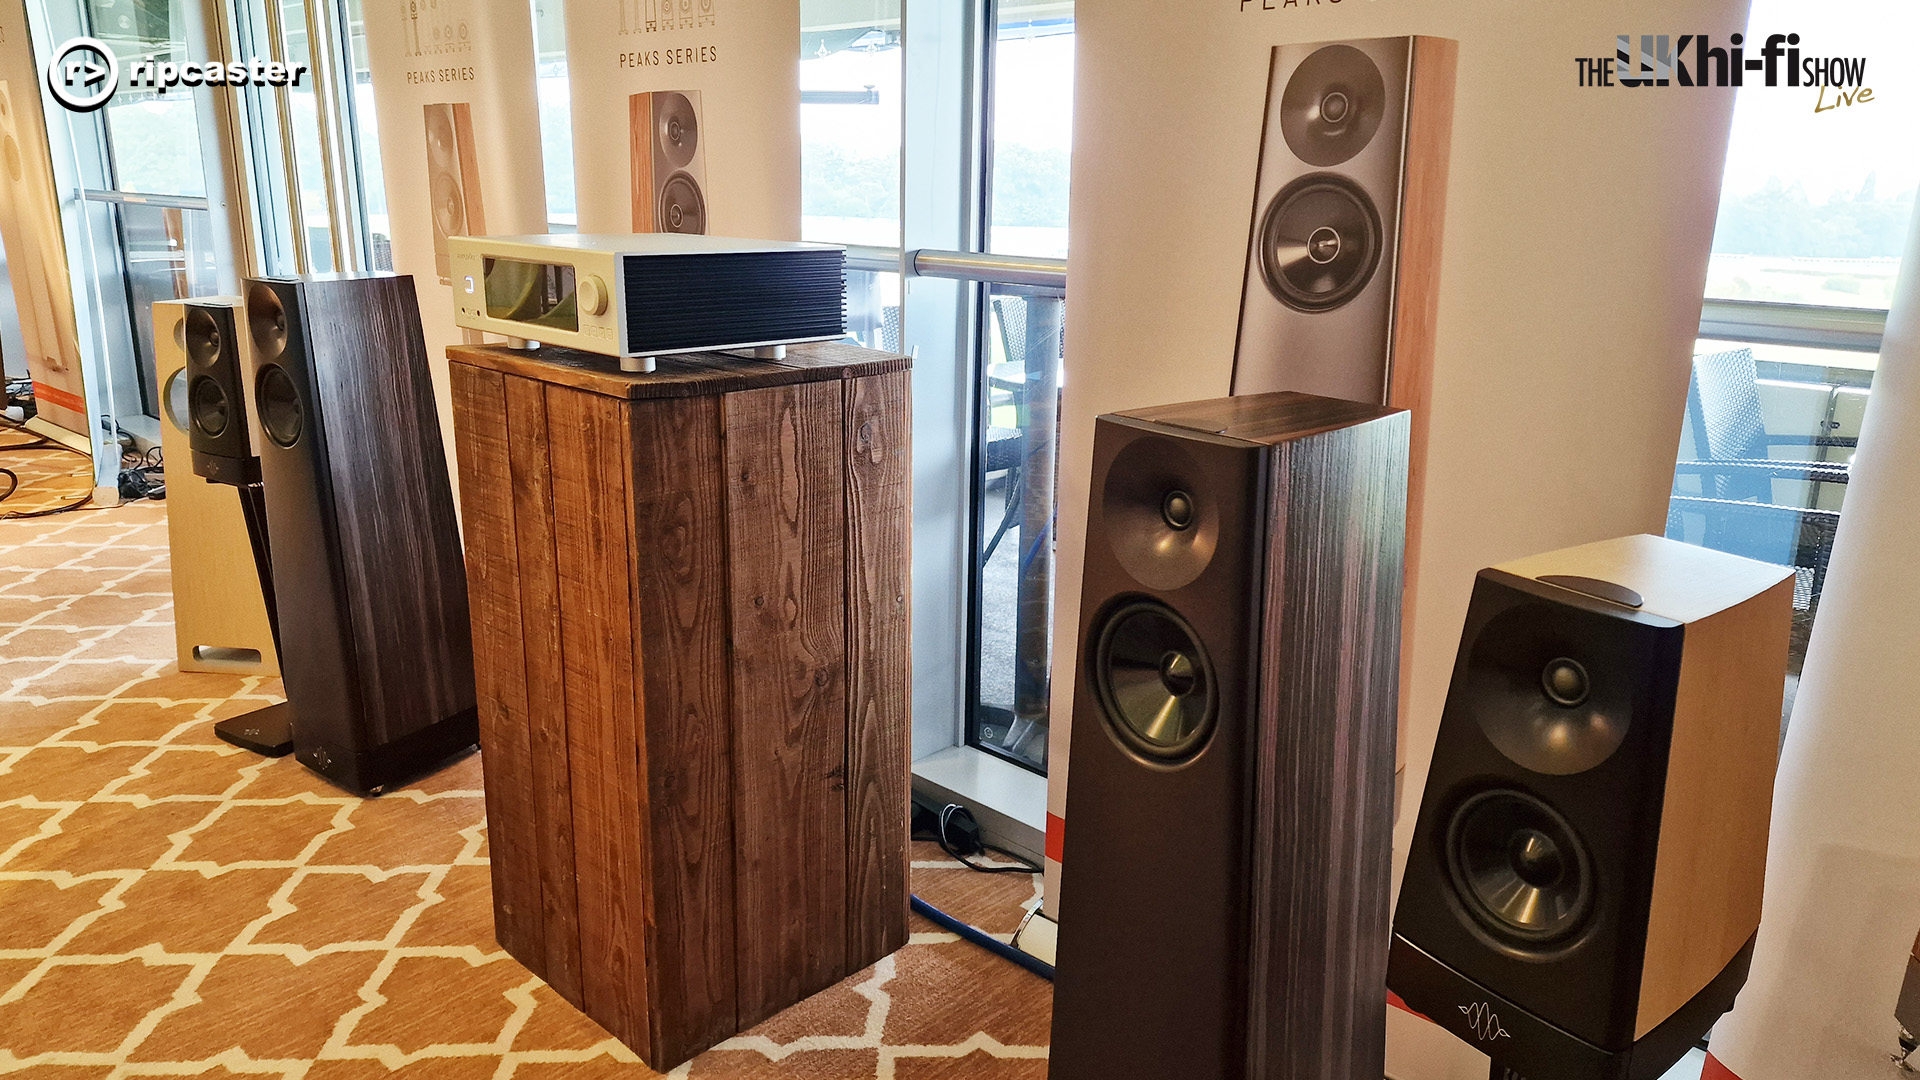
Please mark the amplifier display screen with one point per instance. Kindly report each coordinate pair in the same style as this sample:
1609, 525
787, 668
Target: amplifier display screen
537, 294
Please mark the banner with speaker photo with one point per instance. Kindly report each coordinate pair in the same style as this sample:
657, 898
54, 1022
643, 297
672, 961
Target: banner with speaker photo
1388, 220
686, 117
459, 120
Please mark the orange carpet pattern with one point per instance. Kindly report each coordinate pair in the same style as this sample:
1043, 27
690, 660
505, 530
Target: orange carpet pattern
170, 905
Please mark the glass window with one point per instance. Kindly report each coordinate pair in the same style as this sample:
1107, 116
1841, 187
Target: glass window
303, 110
556, 113
367, 134
1032, 113
1765, 450
1014, 483
155, 137
850, 122
1823, 223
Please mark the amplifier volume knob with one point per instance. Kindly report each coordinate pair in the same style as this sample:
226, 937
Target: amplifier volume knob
593, 295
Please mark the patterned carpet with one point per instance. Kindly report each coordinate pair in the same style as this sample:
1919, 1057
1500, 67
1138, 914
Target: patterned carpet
172, 906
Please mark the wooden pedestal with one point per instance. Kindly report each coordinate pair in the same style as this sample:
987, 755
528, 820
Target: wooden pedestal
689, 595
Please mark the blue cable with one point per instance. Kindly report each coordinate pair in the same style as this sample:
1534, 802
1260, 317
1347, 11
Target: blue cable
991, 944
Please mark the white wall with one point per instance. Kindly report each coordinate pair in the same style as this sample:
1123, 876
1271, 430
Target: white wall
1578, 225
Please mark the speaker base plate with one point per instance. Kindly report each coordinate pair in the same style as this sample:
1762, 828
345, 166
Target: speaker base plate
1528, 1047
267, 732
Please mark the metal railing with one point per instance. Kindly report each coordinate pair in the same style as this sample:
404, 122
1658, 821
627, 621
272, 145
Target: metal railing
961, 266
1807, 325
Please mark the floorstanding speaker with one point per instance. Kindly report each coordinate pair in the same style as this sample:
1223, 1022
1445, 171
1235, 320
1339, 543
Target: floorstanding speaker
669, 162
376, 649
453, 178
1583, 884
219, 613
1227, 854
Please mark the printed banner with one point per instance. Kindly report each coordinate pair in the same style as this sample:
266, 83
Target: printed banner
1294, 190
31, 229
459, 123
686, 116
1834, 979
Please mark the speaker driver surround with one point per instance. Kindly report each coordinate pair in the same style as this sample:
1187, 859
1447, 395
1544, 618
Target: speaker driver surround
281, 416
1155, 681
1332, 105
1519, 868
1320, 242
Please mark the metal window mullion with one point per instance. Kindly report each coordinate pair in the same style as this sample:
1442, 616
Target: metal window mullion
289, 154
323, 58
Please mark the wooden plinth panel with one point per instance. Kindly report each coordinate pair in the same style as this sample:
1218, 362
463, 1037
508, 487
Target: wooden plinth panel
691, 616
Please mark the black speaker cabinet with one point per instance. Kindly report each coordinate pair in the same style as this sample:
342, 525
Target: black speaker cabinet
1226, 859
217, 427
376, 650
1583, 885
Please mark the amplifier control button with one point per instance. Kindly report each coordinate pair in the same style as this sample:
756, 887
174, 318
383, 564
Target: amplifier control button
593, 295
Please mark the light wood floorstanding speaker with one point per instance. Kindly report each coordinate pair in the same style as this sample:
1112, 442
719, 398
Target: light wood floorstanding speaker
1224, 911
1584, 881
219, 616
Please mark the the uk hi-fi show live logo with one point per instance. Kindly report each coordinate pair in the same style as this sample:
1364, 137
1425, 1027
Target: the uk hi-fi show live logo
1696, 60
84, 74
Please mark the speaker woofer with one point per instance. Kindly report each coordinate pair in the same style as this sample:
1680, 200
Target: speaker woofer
1319, 242
1332, 105
677, 127
281, 415
1519, 868
449, 206
682, 208
208, 406
267, 321
1155, 681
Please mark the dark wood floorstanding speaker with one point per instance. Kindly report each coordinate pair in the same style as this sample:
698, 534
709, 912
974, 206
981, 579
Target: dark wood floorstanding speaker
377, 655
1228, 846
1583, 885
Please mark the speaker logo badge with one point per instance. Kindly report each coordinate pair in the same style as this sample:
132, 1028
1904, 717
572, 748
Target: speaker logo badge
1484, 1022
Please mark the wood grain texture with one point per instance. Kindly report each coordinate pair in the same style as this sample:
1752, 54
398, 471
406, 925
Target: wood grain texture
1324, 759
476, 207
531, 495
785, 529
879, 483
493, 586
399, 545
640, 160
1714, 821
1262, 418
590, 451
1416, 297
681, 619
685, 375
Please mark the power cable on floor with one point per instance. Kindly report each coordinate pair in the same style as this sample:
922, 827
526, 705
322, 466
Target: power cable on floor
986, 941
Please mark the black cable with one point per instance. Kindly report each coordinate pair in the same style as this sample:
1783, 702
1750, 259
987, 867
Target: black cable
992, 944
36, 441
958, 830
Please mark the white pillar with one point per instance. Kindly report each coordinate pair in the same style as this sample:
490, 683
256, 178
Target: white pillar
1843, 867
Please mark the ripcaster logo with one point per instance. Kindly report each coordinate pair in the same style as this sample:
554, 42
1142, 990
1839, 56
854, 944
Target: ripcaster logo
1484, 1022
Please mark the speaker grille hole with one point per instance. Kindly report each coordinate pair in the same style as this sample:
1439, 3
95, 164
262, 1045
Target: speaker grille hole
1519, 868
280, 413
1154, 681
